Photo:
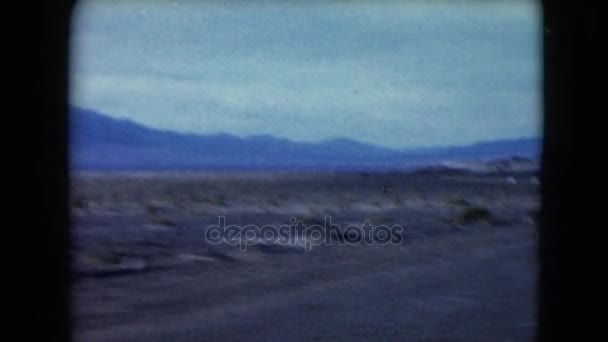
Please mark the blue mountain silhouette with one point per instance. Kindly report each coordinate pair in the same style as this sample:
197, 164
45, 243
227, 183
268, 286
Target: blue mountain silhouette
99, 142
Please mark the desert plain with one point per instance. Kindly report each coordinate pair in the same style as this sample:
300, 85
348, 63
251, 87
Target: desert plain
464, 268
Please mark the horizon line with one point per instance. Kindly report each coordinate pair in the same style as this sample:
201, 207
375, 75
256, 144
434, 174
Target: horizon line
71, 107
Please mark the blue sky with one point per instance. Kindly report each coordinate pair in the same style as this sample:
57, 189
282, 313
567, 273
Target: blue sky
393, 73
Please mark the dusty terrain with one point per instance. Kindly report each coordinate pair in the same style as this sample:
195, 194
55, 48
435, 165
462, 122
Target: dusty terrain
464, 270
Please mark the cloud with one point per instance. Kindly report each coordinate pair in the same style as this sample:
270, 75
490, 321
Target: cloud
418, 74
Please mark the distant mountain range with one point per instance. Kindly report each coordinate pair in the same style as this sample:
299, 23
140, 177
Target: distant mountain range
99, 142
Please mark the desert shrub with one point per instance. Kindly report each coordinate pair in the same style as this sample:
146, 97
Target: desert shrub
495, 221
340, 233
151, 208
534, 214
455, 200
472, 214
345, 201
162, 221
379, 218
101, 258
219, 200
154, 215
79, 202
312, 220
273, 202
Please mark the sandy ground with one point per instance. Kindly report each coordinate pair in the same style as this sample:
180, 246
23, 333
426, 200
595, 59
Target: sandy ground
143, 269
